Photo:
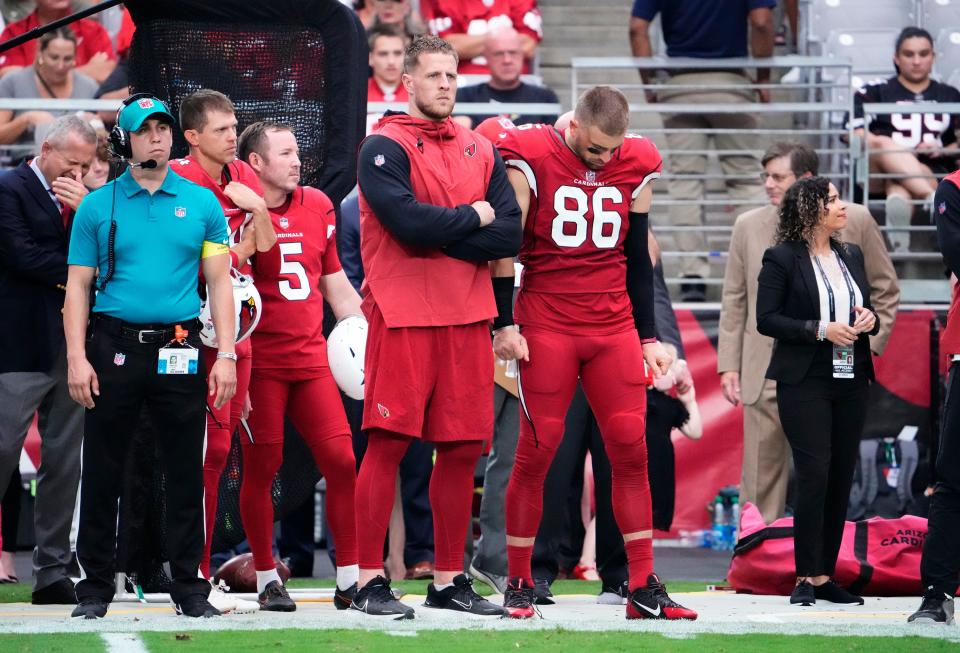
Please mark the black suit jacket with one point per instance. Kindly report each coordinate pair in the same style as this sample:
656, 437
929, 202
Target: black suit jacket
33, 263
788, 308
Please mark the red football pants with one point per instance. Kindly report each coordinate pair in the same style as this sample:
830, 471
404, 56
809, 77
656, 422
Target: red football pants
611, 372
451, 496
221, 425
311, 399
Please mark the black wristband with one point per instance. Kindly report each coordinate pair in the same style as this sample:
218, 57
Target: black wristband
503, 294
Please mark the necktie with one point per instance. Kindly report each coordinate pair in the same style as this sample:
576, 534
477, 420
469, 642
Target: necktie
65, 215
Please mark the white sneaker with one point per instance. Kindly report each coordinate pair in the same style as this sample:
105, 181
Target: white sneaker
222, 601
899, 212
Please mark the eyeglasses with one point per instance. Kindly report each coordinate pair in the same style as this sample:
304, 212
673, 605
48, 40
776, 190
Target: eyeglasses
779, 179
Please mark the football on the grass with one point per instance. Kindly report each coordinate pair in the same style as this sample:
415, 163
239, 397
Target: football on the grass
240, 575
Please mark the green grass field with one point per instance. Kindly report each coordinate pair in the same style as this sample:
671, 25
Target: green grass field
557, 641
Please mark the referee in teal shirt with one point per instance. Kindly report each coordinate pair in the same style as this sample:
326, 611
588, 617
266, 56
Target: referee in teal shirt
141, 242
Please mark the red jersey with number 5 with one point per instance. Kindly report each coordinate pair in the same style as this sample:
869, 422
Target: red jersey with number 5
574, 276
290, 332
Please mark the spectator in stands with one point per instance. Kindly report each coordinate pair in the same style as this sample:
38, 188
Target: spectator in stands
398, 13
364, 11
706, 30
386, 63
95, 56
823, 369
37, 202
917, 147
743, 354
504, 54
53, 76
99, 171
465, 24
386, 43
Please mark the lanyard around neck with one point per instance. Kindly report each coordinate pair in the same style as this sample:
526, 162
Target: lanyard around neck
830, 298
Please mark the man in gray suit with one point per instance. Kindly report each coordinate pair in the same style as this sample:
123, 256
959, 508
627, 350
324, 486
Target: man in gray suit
743, 354
37, 202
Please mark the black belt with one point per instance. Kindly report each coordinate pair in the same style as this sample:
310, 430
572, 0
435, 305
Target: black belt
143, 333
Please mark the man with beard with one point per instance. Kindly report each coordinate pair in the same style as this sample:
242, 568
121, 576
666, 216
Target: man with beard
435, 207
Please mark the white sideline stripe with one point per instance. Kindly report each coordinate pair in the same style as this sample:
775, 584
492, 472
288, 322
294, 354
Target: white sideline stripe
123, 643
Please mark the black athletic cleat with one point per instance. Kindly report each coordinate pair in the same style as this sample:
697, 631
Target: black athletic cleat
541, 590
653, 602
803, 594
462, 598
936, 607
90, 608
342, 599
196, 605
274, 598
519, 598
376, 598
614, 595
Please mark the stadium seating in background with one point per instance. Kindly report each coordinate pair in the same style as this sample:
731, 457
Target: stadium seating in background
826, 16
947, 47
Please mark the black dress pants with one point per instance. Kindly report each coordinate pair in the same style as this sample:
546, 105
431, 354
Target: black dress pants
823, 419
940, 565
127, 373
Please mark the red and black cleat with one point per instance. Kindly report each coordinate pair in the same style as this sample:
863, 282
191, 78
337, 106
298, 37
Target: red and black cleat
653, 602
518, 599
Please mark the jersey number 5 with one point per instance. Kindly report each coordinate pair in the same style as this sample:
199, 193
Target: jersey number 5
288, 266
604, 220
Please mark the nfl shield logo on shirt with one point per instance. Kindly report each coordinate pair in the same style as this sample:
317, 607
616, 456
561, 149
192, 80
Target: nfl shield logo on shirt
284, 223
180, 212
590, 176
379, 160
119, 359
942, 208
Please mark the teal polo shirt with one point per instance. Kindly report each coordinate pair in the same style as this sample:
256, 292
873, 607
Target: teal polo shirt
159, 243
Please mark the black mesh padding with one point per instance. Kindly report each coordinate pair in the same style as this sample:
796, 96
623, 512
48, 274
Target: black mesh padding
302, 62
294, 483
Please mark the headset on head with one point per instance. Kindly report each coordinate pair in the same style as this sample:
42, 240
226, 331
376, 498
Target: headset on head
119, 139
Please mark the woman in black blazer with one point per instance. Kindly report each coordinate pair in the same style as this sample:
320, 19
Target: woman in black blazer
814, 299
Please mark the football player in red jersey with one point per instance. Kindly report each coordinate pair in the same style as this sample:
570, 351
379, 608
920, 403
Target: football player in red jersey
210, 128
585, 309
464, 24
290, 371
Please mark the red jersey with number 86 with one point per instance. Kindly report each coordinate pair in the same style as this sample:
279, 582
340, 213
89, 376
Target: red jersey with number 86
290, 333
574, 275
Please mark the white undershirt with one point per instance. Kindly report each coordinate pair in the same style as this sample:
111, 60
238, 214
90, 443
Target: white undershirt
841, 295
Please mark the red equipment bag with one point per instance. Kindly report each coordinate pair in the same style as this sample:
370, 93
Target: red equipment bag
878, 557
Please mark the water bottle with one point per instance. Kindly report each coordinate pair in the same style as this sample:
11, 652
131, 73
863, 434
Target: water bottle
734, 526
719, 521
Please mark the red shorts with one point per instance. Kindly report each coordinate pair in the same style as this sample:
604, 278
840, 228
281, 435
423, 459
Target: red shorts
610, 370
434, 383
309, 396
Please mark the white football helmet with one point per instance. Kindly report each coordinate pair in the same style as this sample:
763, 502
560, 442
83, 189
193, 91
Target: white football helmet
247, 306
346, 349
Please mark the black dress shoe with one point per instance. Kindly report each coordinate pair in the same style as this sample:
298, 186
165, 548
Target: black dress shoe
61, 592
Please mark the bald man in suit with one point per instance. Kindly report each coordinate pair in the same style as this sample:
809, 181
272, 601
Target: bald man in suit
743, 354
